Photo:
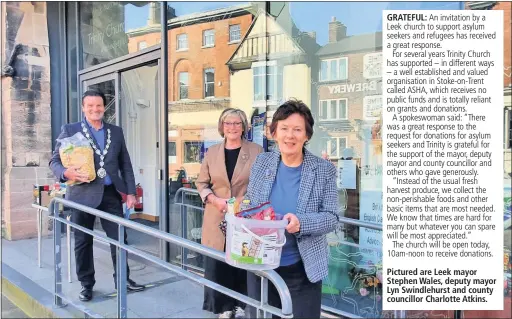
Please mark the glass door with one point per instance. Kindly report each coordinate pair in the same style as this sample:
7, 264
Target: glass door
133, 103
138, 116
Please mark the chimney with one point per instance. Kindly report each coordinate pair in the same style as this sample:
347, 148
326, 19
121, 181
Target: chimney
154, 13
171, 13
337, 30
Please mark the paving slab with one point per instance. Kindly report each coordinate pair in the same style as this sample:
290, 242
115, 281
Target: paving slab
192, 313
167, 294
9, 310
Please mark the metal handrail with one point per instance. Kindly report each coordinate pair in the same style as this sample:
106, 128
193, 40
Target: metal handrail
355, 222
183, 210
263, 306
184, 191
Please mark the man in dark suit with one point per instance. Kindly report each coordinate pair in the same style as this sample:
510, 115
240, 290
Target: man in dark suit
103, 193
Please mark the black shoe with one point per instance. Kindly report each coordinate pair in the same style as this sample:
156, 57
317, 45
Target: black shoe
85, 294
132, 286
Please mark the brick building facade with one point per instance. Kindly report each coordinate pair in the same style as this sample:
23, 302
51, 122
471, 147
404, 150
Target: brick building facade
199, 45
198, 57
189, 53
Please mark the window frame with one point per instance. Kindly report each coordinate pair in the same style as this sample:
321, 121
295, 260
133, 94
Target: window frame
178, 48
328, 117
205, 86
187, 85
172, 146
328, 71
205, 45
239, 33
139, 45
278, 83
339, 152
199, 144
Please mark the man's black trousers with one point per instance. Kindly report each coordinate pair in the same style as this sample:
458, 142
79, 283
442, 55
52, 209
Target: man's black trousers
111, 203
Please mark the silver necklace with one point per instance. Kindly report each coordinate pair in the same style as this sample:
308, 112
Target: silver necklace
101, 171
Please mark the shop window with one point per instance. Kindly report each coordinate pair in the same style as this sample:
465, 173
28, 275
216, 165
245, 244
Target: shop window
333, 110
268, 82
192, 152
508, 139
182, 42
111, 29
334, 147
208, 38
183, 85
209, 82
235, 34
334, 69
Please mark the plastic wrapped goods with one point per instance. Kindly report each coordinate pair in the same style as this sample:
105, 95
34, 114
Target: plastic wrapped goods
75, 151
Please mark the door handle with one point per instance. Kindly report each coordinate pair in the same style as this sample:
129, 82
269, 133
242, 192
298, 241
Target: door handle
160, 174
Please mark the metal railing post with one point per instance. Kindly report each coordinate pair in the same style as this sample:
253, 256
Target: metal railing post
184, 251
121, 276
39, 235
264, 299
123, 249
57, 261
68, 242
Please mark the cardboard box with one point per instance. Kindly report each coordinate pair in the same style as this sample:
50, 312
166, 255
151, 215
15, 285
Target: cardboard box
43, 196
45, 199
39, 191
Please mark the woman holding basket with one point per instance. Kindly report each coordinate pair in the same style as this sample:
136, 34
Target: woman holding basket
225, 174
302, 187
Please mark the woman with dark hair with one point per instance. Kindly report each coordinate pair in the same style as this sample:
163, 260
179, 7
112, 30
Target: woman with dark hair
225, 174
301, 187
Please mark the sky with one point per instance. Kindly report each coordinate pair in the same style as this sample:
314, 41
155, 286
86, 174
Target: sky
359, 17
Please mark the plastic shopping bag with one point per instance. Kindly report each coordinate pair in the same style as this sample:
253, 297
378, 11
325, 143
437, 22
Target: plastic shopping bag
76, 151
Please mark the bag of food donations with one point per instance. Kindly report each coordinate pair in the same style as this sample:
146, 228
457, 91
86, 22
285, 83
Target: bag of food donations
254, 238
75, 151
